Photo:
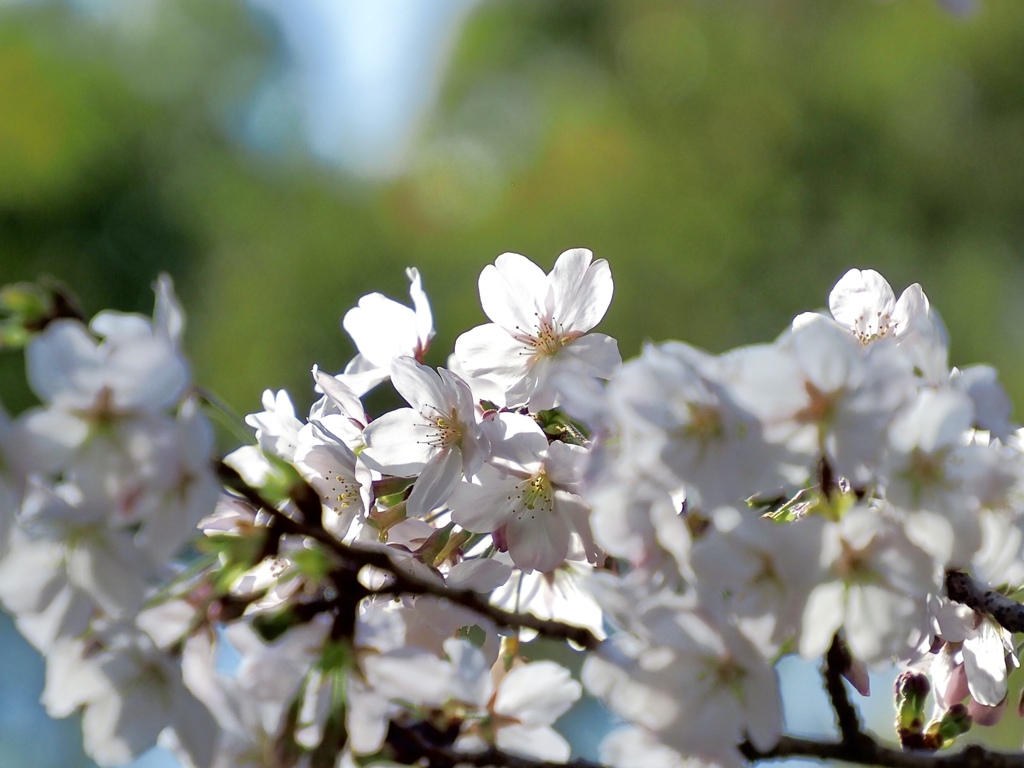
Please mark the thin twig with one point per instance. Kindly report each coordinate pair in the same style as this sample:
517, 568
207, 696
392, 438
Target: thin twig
855, 747
419, 746
961, 588
837, 663
872, 753
404, 582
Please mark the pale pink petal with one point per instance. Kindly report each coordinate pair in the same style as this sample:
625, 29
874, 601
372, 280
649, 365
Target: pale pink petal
341, 394
826, 353
472, 678
110, 570
436, 482
61, 363
538, 539
511, 291
489, 351
583, 290
565, 463
985, 663
421, 306
823, 615
516, 440
145, 375
763, 705
118, 727
399, 443
419, 385
862, 300
597, 354
382, 329
537, 693
168, 315
411, 674
487, 503
541, 743
481, 575
361, 375
71, 680
366, 716
46, 440
195, 727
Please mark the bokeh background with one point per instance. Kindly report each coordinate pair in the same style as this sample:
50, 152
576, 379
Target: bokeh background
281, 158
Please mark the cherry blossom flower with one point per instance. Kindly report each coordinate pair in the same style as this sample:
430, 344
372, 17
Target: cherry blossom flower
513, 709
526, 495
931, 470
759, 569
847, 396
277, 427
864, 302
560, 595
521, 706
682, 424
383, 330
88, 385
699, 685
343, 483
100, 560
539, 326
130, 692
438, 439
978, 655
873, 587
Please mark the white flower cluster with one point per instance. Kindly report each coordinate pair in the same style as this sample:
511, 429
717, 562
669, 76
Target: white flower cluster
697, 516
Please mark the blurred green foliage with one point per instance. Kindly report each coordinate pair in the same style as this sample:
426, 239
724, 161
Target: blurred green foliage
730, 159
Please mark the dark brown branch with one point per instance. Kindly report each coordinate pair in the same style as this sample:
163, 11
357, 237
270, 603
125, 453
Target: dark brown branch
961, 588
856, 747
837, 663
405, 583
414, 744
870, 752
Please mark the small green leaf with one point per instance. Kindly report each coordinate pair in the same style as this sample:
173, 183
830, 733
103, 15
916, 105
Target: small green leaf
312, 563
271, 626
337, 656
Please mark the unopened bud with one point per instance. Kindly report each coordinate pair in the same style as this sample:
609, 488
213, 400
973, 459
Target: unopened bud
955, 722
911, 692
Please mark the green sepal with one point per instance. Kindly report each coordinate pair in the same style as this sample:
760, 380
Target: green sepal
560, 427
955, 722
24, 301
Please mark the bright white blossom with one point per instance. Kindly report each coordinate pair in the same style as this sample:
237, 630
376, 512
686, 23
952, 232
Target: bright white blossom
539, 326
685, 520
438, 439
384, 330
526, 494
